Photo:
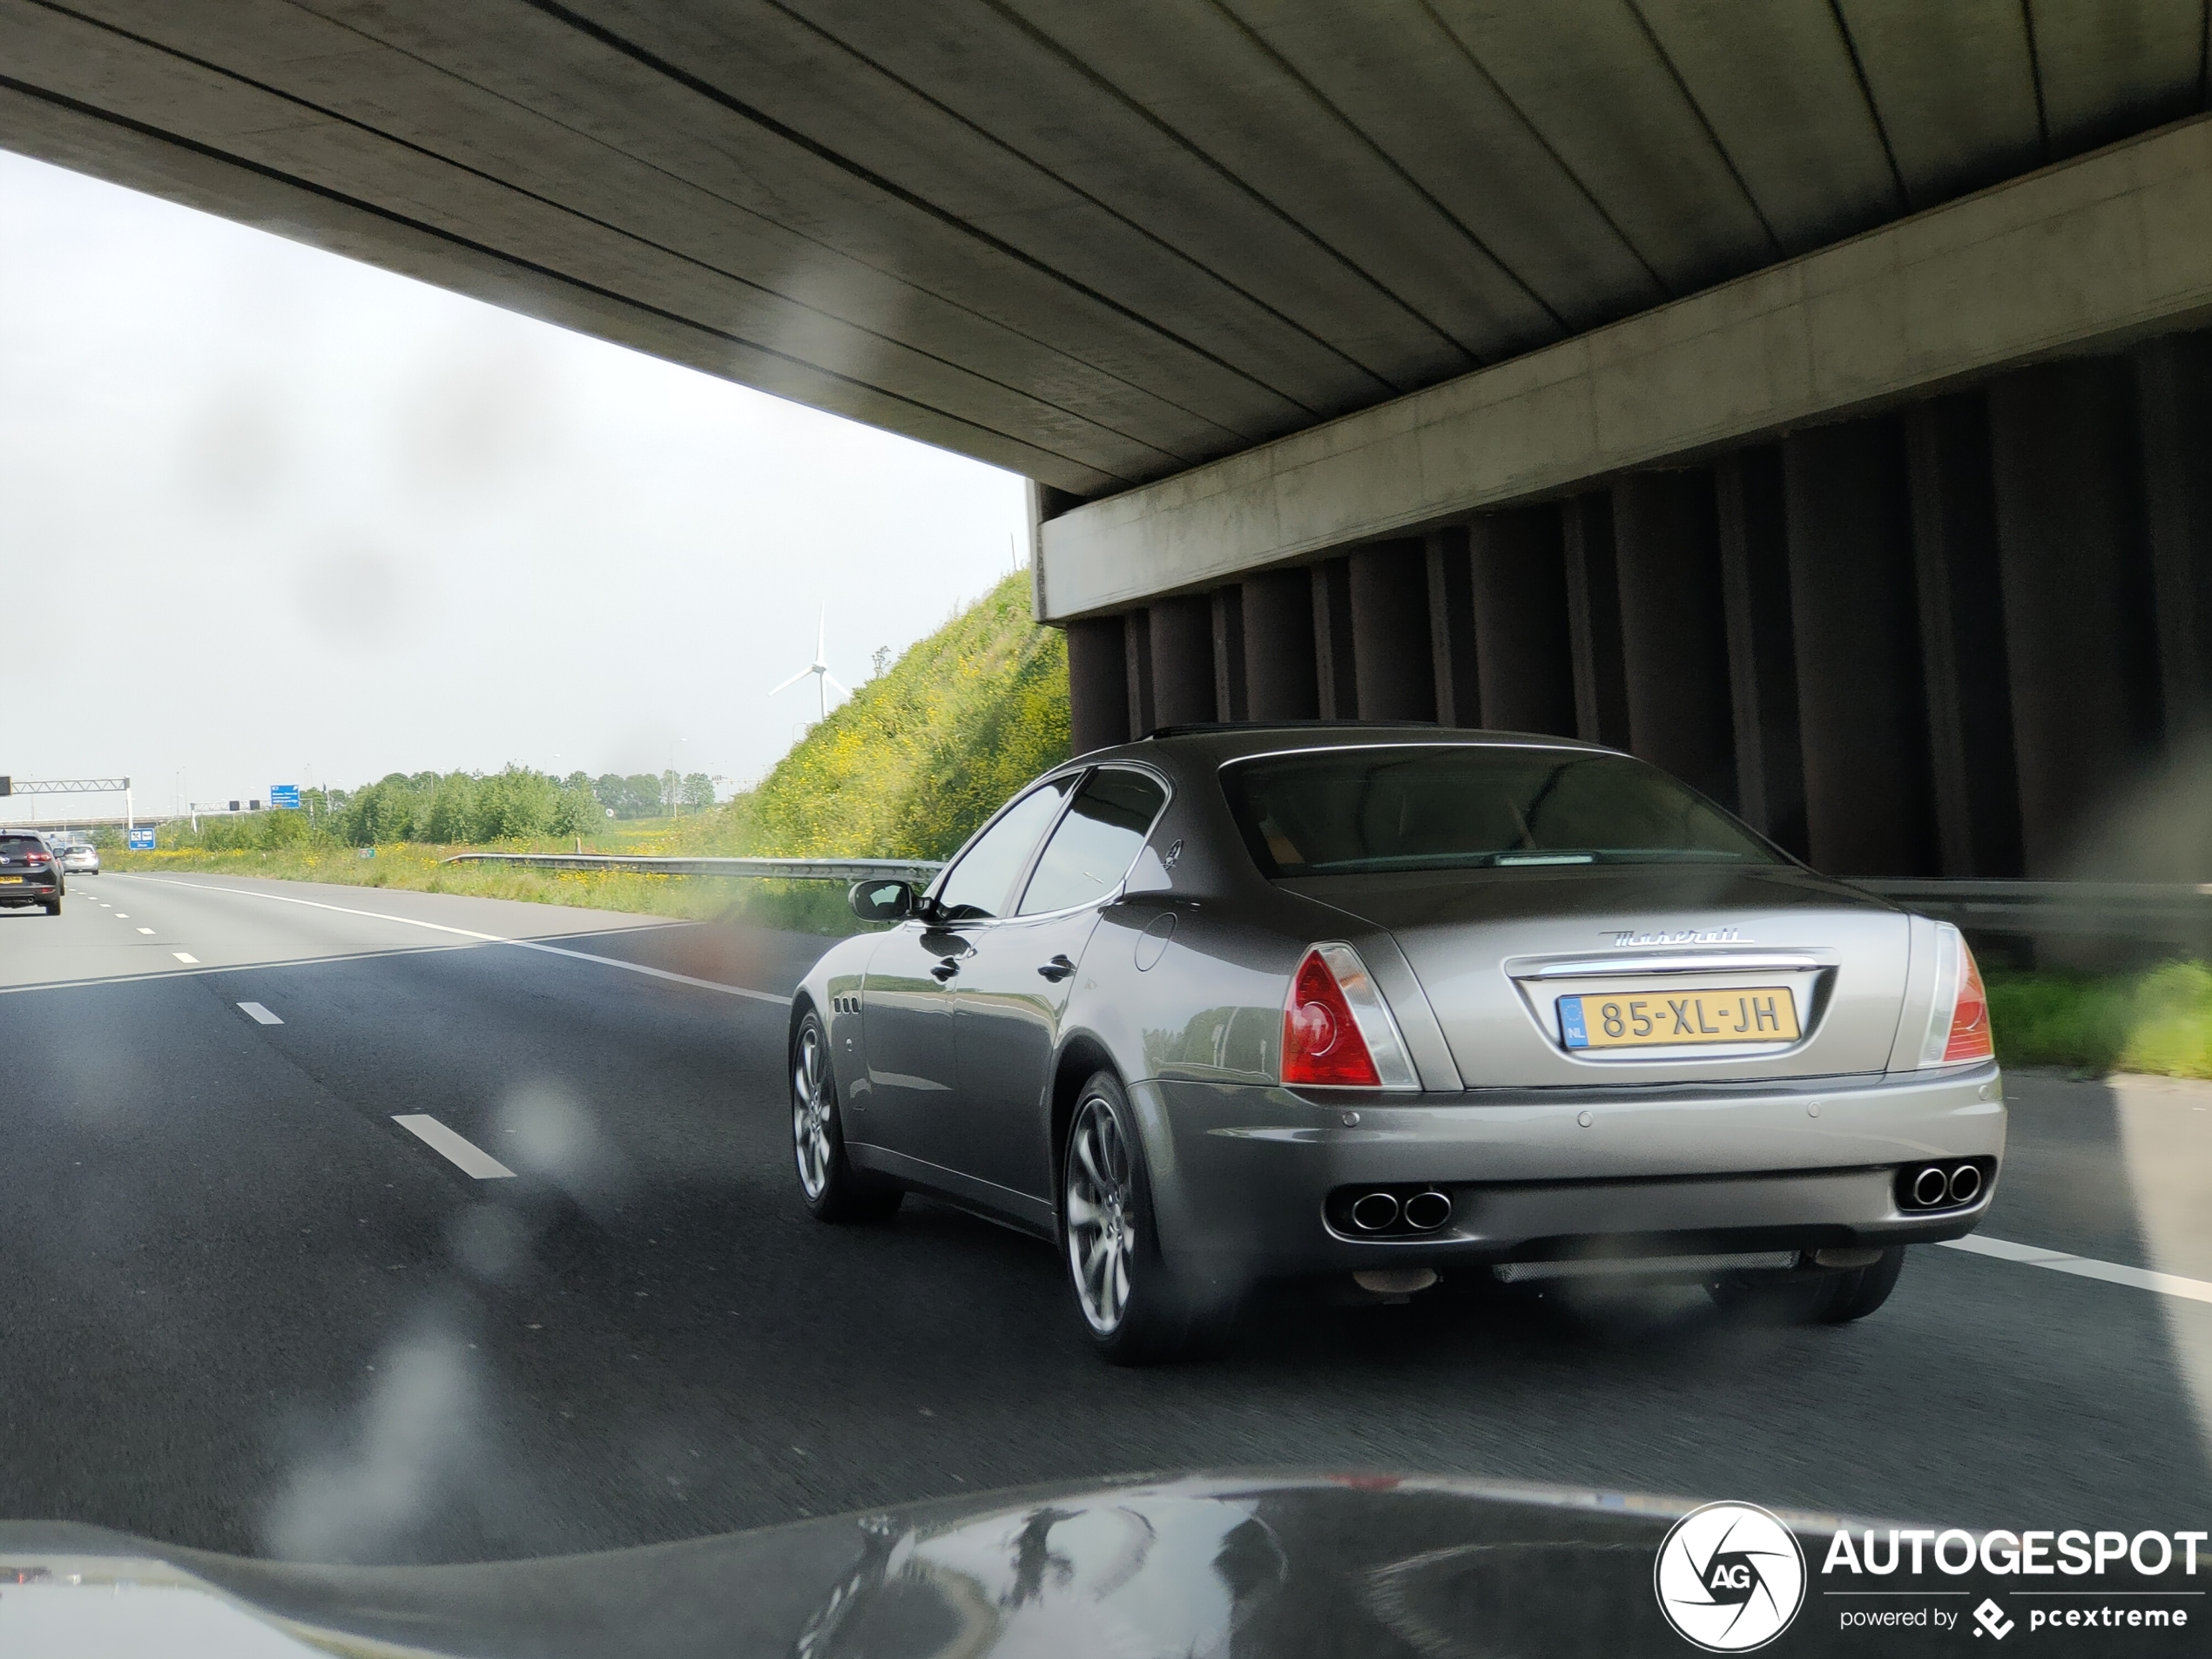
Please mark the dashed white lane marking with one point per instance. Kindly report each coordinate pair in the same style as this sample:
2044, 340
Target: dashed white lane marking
260, 1014
184, 956
122, 915
145, 930
469, 1157
2141, 1279
496, 939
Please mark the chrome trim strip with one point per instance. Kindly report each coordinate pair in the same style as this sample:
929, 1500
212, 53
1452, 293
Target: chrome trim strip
1703, 962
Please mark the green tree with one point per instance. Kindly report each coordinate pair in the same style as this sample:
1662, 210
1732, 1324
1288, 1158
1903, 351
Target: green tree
698, 791
512, 804
450, 813
385, 810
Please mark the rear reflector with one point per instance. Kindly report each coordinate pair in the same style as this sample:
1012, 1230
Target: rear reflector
1337, 1032
1958, 1030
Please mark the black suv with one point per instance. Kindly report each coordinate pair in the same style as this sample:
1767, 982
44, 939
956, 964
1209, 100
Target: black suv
29, 874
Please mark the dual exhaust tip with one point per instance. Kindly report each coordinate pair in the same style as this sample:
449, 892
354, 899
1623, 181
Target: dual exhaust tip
1380, 1211
1940, 1186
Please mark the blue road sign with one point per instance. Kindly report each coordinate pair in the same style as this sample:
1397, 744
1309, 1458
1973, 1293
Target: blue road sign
142, 840
284, 798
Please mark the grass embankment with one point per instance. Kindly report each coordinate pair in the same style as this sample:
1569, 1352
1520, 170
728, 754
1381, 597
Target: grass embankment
2158, 1022
420, 869
906, 768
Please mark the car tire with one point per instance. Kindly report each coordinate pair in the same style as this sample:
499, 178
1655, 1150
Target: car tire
1129, 1302
832, 1188
1835, 1296
1856, 1291
53, 906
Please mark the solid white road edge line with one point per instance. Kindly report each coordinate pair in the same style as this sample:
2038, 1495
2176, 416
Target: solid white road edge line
495, 939
259, 1014
2141, 1279
469, 1157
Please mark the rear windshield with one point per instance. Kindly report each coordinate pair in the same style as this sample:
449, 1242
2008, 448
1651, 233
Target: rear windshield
1336, 812
14, 846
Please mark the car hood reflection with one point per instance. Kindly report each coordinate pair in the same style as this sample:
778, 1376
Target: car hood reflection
1230, 1564
1151, 1572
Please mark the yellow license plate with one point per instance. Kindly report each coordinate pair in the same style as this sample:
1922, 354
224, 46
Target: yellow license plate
1667, 1020
11, 882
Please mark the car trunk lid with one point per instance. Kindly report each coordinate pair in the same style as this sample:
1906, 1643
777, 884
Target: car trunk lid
1643, 974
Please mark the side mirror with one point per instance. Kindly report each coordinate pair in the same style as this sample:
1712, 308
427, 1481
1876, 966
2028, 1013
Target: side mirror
882, 900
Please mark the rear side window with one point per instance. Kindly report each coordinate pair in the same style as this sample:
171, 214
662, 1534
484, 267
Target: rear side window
1432, 808
979, 885
1096, 842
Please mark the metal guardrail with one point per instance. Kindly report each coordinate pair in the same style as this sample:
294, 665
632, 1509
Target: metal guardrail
915, 870
2170, 913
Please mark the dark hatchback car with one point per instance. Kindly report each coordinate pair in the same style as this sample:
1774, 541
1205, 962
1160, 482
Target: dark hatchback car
29, 874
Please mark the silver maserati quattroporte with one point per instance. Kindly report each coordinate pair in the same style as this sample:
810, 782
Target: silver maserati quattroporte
1382, 1005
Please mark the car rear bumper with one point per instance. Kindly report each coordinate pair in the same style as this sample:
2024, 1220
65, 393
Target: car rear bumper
1242, 1175
32, 891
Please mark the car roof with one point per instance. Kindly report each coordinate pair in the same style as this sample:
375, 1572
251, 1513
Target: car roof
1202, 746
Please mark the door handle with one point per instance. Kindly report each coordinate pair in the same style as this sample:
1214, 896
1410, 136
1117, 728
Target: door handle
944, 971
1057, 969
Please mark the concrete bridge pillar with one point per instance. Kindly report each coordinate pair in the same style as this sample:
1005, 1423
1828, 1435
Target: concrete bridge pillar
1336, 689
1097, 683
2174, 393
1868, 801
1393, 675
1280, 683
1523, 652
1593, 619
1183, 667
1674, 635
1451, 632
1962, 637
1230, 699
2079, 640
1762, 648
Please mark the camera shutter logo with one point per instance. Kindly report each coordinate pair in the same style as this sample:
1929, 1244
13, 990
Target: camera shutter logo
1730, 1577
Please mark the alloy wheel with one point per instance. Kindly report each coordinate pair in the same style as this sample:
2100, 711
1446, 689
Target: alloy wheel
1100, 1209
812, 1112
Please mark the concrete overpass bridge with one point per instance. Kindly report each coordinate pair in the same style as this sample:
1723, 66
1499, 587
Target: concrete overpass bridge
1804, 393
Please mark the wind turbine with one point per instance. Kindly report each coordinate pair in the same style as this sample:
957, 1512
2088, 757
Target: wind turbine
823, 678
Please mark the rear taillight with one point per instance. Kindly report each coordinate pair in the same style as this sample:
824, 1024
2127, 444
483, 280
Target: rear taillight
38, 858
1337, 1032
1958, 1022
1970, 1038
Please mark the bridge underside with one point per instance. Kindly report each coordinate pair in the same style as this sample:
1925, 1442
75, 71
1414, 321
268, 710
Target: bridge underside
1097, 245
1808, 396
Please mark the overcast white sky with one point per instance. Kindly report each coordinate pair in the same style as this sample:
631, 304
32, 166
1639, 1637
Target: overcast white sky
270, 516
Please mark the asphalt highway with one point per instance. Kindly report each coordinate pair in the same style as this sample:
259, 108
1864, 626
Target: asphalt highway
247, 1308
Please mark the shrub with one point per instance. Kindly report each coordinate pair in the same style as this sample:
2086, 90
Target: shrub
2158, 1022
